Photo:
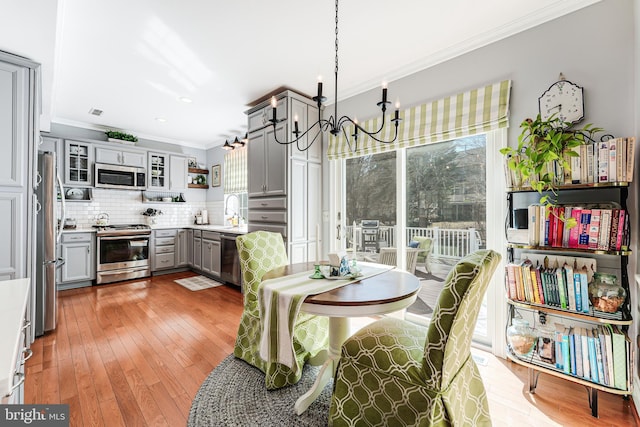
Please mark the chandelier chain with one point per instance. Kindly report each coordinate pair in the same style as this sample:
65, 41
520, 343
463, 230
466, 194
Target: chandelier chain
336, 70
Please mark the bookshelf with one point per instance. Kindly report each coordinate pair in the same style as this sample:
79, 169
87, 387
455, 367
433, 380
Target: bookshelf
557, 302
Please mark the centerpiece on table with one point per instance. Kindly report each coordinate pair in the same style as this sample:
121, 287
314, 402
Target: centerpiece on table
339, 267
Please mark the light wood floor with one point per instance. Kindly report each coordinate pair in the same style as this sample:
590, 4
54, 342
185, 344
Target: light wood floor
135, 354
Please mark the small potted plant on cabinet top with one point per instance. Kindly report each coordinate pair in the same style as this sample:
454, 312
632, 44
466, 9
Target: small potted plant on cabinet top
121, 137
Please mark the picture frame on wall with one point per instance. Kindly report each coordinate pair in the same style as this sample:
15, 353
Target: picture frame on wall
193, 162
216, 175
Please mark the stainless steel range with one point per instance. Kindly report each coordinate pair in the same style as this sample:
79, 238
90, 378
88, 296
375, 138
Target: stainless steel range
123, 252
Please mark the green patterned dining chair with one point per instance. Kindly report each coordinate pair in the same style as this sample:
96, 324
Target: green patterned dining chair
396, 373
260, 252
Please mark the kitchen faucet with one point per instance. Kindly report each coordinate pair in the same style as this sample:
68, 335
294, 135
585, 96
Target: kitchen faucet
226, 204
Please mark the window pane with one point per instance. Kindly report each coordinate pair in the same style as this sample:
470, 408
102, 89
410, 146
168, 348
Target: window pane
446, 205
371, 195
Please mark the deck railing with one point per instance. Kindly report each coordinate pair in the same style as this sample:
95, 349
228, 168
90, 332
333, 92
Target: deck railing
447, 243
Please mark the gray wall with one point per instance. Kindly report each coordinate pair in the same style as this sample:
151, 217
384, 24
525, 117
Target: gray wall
215, 156
595, 47
584, 45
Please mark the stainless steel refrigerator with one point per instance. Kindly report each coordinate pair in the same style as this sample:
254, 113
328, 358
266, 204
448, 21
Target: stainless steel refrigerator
48, 236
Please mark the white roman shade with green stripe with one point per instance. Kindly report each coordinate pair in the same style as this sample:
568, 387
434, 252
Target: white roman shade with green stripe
235, 171
476, 111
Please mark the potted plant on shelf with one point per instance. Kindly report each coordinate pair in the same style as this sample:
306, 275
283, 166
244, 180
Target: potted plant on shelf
542, 157
121, 137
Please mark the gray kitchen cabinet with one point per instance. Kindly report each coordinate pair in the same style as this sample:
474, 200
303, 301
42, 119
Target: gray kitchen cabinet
266, 163
79, 268
167, 172
78, 163
181, 248
190, 247
256, 167
158, 172
18, 134
197, 249
306, 114
211, 253
284, 182
177, 173
121, 157
163, 250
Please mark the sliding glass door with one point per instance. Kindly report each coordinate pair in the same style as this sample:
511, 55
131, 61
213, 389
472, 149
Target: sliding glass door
448, 211
446, 204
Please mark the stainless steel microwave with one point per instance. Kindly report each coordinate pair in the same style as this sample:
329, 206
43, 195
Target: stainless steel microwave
123, 177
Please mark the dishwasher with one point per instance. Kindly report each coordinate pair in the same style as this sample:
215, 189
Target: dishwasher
229, 260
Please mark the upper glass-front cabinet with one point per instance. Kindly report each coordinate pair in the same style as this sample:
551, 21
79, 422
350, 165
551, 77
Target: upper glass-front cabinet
78, 163
158, 175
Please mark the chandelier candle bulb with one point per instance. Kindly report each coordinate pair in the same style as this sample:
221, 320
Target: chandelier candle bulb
319, 89
295, 125
384, 94
317, 244
274, 104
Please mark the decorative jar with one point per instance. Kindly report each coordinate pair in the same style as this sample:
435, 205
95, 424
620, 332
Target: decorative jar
521, 337
546, 346
605, 293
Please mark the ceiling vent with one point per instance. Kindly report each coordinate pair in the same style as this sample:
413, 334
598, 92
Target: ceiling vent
95, 112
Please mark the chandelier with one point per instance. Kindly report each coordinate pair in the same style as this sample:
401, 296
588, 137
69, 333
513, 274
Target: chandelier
333, 124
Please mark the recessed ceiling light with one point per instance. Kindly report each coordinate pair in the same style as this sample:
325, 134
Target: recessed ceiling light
95, 111
160, 119
185, 100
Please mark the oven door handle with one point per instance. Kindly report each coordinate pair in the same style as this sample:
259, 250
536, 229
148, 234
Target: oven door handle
138, 237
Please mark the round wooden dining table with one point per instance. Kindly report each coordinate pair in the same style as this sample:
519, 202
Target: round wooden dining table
383, 293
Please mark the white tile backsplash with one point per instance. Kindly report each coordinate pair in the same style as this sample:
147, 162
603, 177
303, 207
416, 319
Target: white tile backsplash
126, 207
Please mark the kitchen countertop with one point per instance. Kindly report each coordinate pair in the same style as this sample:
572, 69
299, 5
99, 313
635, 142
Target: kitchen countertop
14, 295
208, 227
221, 228
79, 230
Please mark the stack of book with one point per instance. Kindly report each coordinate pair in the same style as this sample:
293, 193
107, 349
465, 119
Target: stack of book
603, 355
605, 161
597, 228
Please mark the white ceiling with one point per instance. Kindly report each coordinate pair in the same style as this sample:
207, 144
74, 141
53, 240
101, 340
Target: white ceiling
135, 59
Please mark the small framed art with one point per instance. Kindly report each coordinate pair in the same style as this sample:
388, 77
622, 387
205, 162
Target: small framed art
216, 175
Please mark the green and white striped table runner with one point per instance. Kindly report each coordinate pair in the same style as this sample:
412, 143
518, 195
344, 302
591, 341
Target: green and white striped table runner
280, 301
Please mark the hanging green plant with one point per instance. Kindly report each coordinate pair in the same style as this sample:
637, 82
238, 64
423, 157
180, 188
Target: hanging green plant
541, 158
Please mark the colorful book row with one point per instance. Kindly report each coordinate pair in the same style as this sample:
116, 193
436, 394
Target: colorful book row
604, 161
603, 355
560, 287
603, 229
